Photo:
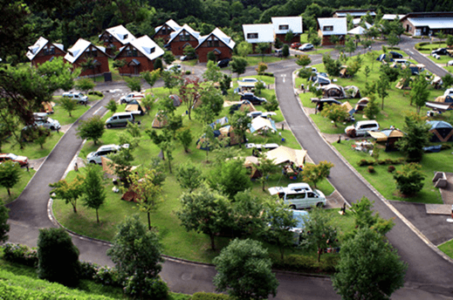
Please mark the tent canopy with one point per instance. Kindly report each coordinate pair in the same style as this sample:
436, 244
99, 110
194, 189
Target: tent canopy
285, 154
221, 121
260, 123
384, 135
358, 30
439, 124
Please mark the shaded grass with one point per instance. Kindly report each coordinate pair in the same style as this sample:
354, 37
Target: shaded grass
318, 51
18, 188
191, 62
32, 150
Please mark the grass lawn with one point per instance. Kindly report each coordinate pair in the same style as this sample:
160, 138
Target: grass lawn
433, 46
319, 51
191, 62
32, 150
18, 188
447, 248
255, 60
396, 105
63, 117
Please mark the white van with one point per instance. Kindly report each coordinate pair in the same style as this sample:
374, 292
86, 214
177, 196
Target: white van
119, 119
43, 120
79, 97
299, 195
103, 151
361, 128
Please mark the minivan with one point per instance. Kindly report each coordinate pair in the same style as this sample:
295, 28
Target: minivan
362, 128
42, 120
120, 119
79, 97
103, 151
299, 195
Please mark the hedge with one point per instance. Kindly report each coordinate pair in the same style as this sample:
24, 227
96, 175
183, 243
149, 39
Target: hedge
209, 296
97, 93
306, 264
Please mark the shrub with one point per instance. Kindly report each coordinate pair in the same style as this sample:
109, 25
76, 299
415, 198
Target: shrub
445, 147
371, 169
107, 276
301, 263
268, 74
88, 270
96, 93
391, 169
381, 162
388, 161
363, 162
188, 72
209, 296
20, 254
154, 288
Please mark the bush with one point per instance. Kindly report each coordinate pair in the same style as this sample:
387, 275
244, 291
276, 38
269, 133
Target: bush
388, 161
96, 93
391, 169
188, 72
20, 254
154, 288
301, 263
381, 162
371, 169
209, 296
267, 74
363, 162
107, 276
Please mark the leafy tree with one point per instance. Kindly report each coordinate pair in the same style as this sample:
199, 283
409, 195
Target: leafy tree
350, 46
168, 57
241, 124
440, 35
93, 189
449, 40
393, 39
189, 51
368, 253
4, 226
184, 136
121, 164
88, 64
303, 60
148, 102
289, 36
262, 67
211, 105
371, 57
277, 43
316, 173
119, 64
417, 136
447, 80
391, 73
68, 191
134, 83
238, 66
84, 85
151, 76
212, 72
158, 65
319, 233
316, 41
410, 179
42, 135
247, 214
332, 66
230, 178
112, 106
349, 21
136, 253
189, 92
170, 80
419, 92
265, 167
259, 86
366, 44
211, 56
91, 129
161, 140
262, 48
353, 68
58, 258
244, 270
335, 113
372, 109
204, 210
367, 72
285, 51
210, 140
244, 48
272, 104
133, 129
382, 87
225, 84
10, 174
305, 73
334, 39
189, 176
149, 194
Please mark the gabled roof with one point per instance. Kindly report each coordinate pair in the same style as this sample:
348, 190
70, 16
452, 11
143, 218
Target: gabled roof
79, 47
339, 26
358, 30
220, 35
265, 32
121, 34
294, 24
186, 28
353, 12
170, 23
432, 23
145, 44
37, 47
392, 17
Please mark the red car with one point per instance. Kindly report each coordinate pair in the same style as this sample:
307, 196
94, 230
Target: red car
22, 160
296, 45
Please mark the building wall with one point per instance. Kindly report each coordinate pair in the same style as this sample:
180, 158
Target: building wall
255, 49
295, 39
41, 58
177, 46
145, 65
163, 33
202, 53
325, 40
409, 27
113, 41
103, 68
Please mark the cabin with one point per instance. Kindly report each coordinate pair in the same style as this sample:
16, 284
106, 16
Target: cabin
283, 25
259, 33
115, 38
139, 55
422, 23
44, 50
164, 31
218, 42
355, 13
328, 27
182, 38
83, 50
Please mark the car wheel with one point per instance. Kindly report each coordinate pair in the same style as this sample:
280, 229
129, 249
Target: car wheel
319, 204
292, 206
353, 133
92, 162
52, 128
109, 125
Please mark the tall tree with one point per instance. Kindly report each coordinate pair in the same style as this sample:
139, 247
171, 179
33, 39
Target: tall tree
189, 92
133, 83
417, 136
419, 92
262, 48
372, 109
382, 87
91, 129
335, 113
68, 191
212, 72
230, 178
238, 66
189, 176
289, 36
68, 105
10, 174
241, 124
265, 167
151, 76
410, 179
84, 85
93, 189
4, 226
244, 48
316, 173
184, 136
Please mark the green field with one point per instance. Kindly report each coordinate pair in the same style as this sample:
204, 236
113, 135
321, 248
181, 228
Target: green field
32, 150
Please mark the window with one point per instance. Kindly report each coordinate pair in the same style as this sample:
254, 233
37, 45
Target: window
252, 35
213, 43
152, 50
50, 50
92, 53
327, 28
283, 27
131, 52
184, 37
125, 36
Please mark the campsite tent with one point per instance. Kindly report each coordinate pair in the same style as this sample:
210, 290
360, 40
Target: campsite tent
321, 80
387, 136
333, 91
260, 123
442, 103
283, 155
442, 131
352, 91
48, 107
362, 104
437, 82
159, 121
176, 100
221, 121
359, 30
222, 133
350, 110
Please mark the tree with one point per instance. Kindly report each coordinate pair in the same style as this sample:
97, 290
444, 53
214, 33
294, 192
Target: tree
335, 113
371, 57
238, 66
4, 226
184, 136
316, 173
262, 48
68, 191
332, 66
170, 80
204, 210
168, 57
289, 36
367, 72
419, 92
151, 76
272, 104
417, 136
211, 56
136, 253
319, 233
410, 179
262, 67
382, 87
372, 109
121, 163
350, 46
393, 39
189, 176
58, 258
369, 268
230, 178
161, 140
366, 44
440, 35
10, 174
189, 51
189, 92
158, 65
211, 105
303, 61
247, 214
93, 189
349, 21
212, 72
148, 102
285, 51
277, 42
134, 83
112, 106
280, 220
241, 124
265, 167
449, 41
353, 68
244, 270
316, 41
148, 194
118, 64
334, 39
244, 48
68, 104
91, 129
88, 64
391, 73
84, 85
225, 84
447, 80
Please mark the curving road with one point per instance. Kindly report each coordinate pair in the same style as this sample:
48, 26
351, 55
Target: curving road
428, 276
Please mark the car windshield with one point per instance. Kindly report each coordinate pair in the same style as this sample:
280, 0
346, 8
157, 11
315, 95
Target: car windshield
13, 156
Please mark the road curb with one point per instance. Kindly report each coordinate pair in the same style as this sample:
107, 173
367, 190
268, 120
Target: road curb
380, 197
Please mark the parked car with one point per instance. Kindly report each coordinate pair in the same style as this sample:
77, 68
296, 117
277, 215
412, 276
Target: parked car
187, 57
267, 147
299, 195
120, 119
450, 63
22, 160
306, 47
301, 216
449, 92
296, 45
43, 120
383, 57
253, 99
313, 69
96, 156
177, 68
129, 97
224, 63
278, 52
79, 97
402, 62
440, 51
394, 54
362, 128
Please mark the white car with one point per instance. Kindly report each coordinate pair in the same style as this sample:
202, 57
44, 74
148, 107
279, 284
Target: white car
449, 92
306, 47
79, 97
103, 151
362, 128
262, 114
299, 195
174, 68
129, 97
42, 120
450, 63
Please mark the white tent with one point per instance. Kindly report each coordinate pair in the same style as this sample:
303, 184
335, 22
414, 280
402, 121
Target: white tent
260, 123
284, 155
358, 30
